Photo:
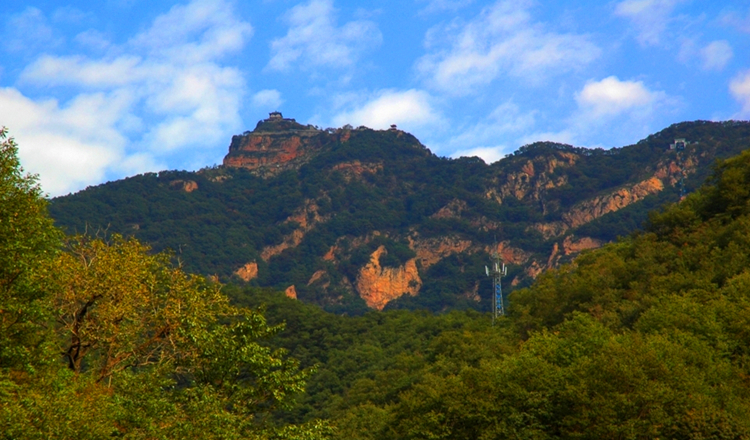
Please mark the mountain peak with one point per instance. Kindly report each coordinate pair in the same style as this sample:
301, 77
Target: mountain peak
276, 144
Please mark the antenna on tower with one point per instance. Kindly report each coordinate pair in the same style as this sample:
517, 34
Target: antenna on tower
679, 145
498, 271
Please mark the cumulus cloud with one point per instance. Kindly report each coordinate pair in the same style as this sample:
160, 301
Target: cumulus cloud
314, 39
716, 55
269, 99
68, 146
611, 96
434, 6
489, 138
737, 21
175, 95
410, 108
487, 154
618, 111
27, 30
92, 39
650, 18
739, 87
502, 40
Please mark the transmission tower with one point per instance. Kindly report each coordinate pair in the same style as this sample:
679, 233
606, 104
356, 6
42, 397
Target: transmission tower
679, 145
497, 272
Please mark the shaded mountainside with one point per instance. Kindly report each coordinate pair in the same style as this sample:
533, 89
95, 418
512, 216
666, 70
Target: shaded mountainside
351, 219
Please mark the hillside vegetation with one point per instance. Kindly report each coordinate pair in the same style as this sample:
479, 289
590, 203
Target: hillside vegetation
105, 340
316, 221
645, 338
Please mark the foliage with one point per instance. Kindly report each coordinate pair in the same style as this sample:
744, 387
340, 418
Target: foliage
103, 339
645, 338
233, 215
27, 239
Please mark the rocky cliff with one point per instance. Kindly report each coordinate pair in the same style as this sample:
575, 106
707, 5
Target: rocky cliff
371, 218
379, 285
277, 145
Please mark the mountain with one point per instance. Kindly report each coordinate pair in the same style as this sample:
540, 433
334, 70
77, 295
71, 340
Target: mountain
354, 218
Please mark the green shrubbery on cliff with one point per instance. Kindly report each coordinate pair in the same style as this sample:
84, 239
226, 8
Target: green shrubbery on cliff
645, 338
234, 215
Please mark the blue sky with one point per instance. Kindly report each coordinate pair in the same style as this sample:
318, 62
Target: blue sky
99, 90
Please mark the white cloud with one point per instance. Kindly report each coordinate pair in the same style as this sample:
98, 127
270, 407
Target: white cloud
70, 14
737, 21
488, 137
26, 31
611, 96
502, 40
487, 154
269, 99
649, 17
740, 90
175, 95
612, 113
313, 38
716, 55
92, 39
434, 6
69, 147
410, 108
202, 30
77, 70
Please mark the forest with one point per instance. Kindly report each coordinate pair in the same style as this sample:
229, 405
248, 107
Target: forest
235, 216
644, 338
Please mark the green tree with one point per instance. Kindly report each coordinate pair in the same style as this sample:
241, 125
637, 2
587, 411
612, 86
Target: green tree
101, 339
27, 239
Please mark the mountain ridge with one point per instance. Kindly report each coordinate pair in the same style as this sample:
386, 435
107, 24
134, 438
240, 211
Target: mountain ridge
355, 218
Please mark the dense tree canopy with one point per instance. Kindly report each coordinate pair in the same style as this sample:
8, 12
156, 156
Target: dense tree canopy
106, 339
645, 338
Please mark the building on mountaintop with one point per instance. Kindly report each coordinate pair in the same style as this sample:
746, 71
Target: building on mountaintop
679, 144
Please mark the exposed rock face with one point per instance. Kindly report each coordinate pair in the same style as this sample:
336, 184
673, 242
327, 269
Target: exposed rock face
185, 185
510, 254
430, 251
306, 217
291, 292
535, 177
598, 206
317, 276
573, 246
268, 154
248, 272
451, 210
355, 169
379, 285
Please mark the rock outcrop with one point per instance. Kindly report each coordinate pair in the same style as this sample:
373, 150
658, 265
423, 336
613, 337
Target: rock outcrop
355, 169
379, 285
291, 292
184, 185
247, 272
431, 250
268, 154
535, 176
599, 206
277, 144
306, 217
596, 207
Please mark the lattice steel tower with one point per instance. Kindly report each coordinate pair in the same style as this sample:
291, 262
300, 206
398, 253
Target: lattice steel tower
497, 272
